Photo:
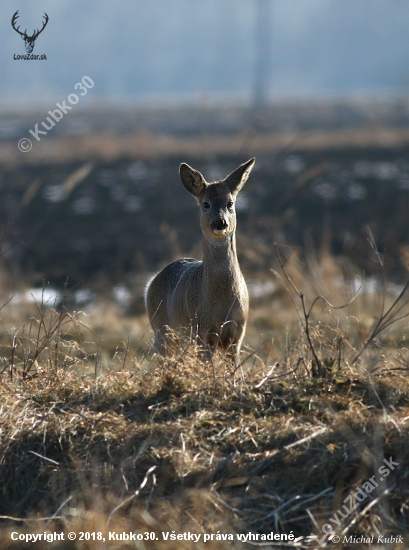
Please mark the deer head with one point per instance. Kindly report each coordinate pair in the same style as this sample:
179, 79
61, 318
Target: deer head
216, 200
29, 41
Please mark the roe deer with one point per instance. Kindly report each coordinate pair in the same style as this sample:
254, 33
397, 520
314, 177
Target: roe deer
207, 299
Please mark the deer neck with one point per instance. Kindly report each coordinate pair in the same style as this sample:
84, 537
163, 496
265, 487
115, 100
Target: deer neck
221, 271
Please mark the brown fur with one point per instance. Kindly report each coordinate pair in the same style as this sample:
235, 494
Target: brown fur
208, 299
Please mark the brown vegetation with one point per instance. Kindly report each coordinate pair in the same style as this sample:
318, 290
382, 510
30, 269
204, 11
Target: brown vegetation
145, 145
98, 439
99, 435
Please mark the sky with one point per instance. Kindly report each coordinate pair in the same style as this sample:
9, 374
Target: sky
166, 50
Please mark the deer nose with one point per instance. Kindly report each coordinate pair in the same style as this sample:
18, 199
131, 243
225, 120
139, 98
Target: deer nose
218, 224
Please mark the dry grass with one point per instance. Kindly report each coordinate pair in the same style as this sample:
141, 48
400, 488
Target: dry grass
148, 145
139, 443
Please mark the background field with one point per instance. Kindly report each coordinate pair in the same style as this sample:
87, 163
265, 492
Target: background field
99, 434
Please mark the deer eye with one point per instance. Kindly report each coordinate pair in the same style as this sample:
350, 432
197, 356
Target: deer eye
230, 204
206, 205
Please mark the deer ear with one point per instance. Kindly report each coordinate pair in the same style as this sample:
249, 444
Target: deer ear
192, 180
238, 178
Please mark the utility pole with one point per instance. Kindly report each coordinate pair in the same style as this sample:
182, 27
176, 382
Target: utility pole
263, 53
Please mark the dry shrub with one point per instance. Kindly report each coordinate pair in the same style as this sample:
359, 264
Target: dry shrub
142, 443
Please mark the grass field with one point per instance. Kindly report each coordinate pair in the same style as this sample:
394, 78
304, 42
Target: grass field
305, 445
99, 435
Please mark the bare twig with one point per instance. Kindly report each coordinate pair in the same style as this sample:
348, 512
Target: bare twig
307, 311
391, 316
29, 520
126, 353
265, 463
45, 458
363, 512
271, 376
136, 493
98, 352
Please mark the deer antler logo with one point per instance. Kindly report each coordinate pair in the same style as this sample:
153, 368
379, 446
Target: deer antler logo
29, 41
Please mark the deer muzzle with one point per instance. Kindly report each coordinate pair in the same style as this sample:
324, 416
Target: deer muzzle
219, 226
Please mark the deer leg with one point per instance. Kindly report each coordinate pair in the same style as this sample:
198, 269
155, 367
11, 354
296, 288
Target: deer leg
209, 345
233, 354
230, 342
